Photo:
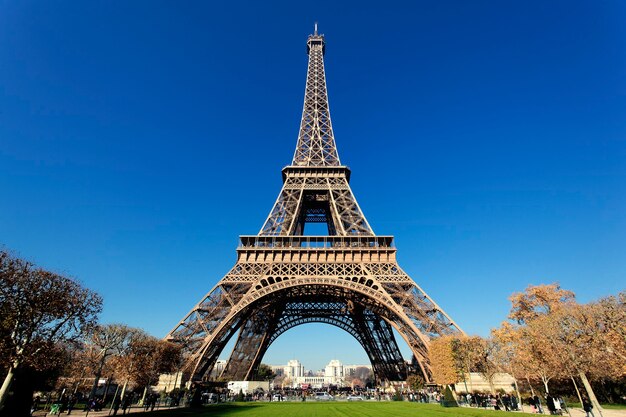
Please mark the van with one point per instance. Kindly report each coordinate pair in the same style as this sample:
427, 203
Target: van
323, 396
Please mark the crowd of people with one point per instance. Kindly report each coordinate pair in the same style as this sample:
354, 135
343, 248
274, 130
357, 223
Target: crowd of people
554, 405
65, 404
503, 401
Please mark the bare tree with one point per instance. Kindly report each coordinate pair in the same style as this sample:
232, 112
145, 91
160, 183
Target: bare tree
103, 342
144, 358
39, 309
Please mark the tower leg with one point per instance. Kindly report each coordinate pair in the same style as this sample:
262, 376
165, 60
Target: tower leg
252, 342
378, 335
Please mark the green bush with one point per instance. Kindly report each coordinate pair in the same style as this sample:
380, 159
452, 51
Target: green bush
240, 397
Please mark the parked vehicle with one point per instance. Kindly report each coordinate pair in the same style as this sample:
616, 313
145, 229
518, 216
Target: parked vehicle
354, 398
248, 387
323, 396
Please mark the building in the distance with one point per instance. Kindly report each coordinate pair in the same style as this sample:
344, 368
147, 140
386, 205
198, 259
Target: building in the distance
293, 370
335, 373
351, 370
279, 370
220, 364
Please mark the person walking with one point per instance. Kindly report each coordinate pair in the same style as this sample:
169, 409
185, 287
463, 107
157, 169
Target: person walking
126, 404
550, 404
71, 402
588, 407
557, 406
538, 404
116, 405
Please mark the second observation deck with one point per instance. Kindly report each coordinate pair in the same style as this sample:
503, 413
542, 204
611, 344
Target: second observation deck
316, 249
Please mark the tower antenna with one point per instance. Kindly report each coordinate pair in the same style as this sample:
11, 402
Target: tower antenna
315, 32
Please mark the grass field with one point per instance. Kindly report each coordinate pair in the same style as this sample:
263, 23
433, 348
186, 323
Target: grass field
328, 409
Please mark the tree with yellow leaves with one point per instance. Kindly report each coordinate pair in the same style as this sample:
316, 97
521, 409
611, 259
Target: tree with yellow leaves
466, 351
442, 363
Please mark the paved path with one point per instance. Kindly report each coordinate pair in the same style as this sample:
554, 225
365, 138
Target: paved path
578, 412
104, 412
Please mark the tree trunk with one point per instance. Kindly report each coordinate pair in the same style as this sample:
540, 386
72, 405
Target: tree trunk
453, 392
577, 391
98, 375
81, 379
6, 385
592, 396
124, 390
532, 391
545, 384
519, 397
465, 382
107, 386
143, 398
114, 397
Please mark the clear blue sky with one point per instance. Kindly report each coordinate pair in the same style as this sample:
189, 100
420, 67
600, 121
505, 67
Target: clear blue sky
139, 139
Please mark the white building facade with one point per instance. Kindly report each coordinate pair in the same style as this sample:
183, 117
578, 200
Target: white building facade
333, 374
293, 370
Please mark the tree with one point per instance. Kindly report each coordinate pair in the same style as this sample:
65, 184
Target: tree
442, 363
609, 332
160, 357
143, 359
39, 310
588, 339
415, 382
537, 342
364, 373
486, 364
103, 342
466, 351
265, 373
77, 368
558, 337
356, 382
504, 353
538, 300
534, 334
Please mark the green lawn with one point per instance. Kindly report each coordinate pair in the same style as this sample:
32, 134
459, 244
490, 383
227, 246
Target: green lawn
329, 409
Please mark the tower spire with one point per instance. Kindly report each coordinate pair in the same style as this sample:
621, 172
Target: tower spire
316, 140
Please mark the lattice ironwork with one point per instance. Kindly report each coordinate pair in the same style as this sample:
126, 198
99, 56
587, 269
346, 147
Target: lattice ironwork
326, 192
316, 141
349, 279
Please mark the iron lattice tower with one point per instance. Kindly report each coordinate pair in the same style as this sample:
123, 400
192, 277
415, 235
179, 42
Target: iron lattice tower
282, 279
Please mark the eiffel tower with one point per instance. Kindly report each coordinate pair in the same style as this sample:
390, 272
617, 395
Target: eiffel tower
349, 279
